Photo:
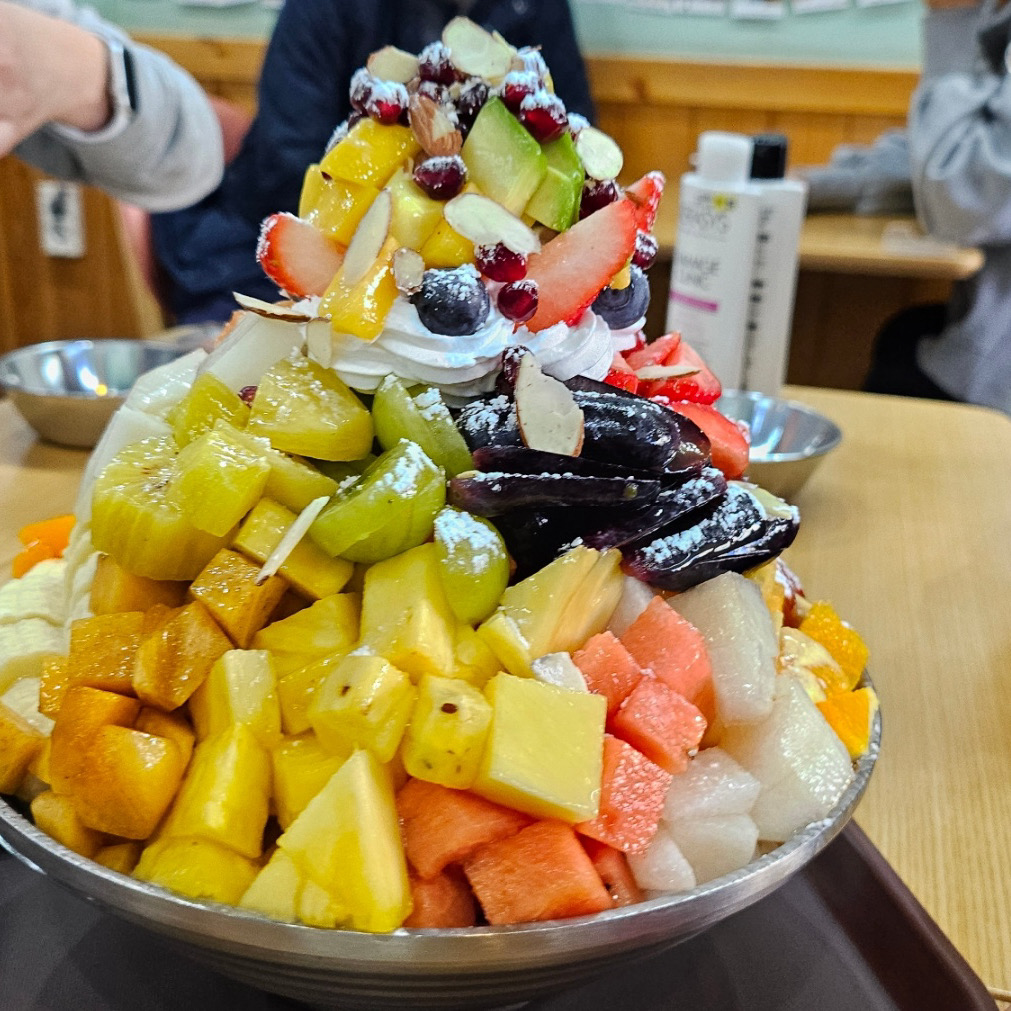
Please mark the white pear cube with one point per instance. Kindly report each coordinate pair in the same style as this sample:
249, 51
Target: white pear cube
635, 597
559, 670
731, 615
713, 785
796, 756
661, 866
716, 846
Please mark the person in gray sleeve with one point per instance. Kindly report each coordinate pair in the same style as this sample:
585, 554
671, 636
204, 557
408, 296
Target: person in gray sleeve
81, 101
959, 135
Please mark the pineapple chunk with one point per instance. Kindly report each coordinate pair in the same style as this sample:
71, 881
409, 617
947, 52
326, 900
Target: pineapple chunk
544, 753
365, 702
130, 781
240, 688
308, 568
224, 797
348, 841
55, 815
20, 742
173, 661
302, 767
197, 868
473, 661
102, 650
370, 153
120, 857
296, 692
229, 588
338, 207
274, 891
113, 589
360, 307
446, 735
327, 627
319, 908
208, 401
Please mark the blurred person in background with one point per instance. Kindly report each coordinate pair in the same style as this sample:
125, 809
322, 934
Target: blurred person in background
209, 251
81, 101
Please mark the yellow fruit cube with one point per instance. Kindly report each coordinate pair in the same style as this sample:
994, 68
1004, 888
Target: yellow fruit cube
446, 247
338, 207
312, 189
130, 780
229, 587
275, 889
302, 767
296, 692
327, 627
114, 589
309, 569
225, 794
55, 815
240, 688
348, 841
208, 402
445, 738
319, 908
172, 726
20, 742
102, 650
370, 153
172, 662
415, 214
365, 702
360, 307
590, 605
120, 857
197, 868
544, 753
53, 681
473, 660
851, 716
39, 765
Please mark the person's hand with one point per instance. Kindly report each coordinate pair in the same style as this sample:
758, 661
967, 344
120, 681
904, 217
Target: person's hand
50, 72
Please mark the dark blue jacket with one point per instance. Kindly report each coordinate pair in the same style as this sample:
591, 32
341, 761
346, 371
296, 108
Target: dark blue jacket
208, 251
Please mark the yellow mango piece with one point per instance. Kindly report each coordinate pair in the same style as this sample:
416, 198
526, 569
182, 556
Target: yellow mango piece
312, 189
224, 796
446, 247
102, 649
120, 857
365, 702
348, 841
370, 153
113, 589
851, 716
55, 815
309, 569
197, 868
360, 308
415, 214
240, 688
339, 207
302, 767
544, 752
172, 726
274, 891
20, 742
53, 682
327, 627
39, 765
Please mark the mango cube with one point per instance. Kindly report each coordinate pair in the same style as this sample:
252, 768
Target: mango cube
197, 868
446, 247
240, 688
20, 742
113, 589
102, 650
172, 726
544, 753
370, 153
327, 627
56, 816
359, 307
302, 767
338, 207
365, 702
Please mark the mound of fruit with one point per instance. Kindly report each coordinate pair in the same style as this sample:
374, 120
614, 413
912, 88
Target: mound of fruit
379, 614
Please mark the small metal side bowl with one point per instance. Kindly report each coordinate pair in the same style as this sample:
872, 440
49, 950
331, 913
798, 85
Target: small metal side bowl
67, 390
788, 439
480, 967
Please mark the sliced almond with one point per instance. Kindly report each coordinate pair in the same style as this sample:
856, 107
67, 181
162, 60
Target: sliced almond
271, 310
549, 417
392, 64
408, 270
666, 371
486, 222
600, 154
476, 52
319, 341
433, 127
368, 239
287, 544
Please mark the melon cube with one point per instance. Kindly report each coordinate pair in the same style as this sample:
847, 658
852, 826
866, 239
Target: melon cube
302, 767
240, 688
197, 868
327, 627
796, 756
715, 846
415, 214
713, 785
544, 753
662, 867
741, 640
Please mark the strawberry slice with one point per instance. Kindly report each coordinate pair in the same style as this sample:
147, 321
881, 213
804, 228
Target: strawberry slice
576, 264
700, 387
645, 193
296, 256
654, 353
621, 375
729, 442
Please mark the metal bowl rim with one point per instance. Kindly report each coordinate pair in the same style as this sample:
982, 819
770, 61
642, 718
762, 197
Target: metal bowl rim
831, 439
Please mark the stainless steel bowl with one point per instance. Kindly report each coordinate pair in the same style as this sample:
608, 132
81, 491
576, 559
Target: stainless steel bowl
68, 390
473, 968
788, 439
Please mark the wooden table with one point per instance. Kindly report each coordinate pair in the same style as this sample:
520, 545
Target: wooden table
906, 529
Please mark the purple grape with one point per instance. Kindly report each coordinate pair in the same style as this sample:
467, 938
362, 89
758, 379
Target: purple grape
452, 301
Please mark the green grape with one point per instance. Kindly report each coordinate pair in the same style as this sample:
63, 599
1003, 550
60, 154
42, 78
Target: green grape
473, 563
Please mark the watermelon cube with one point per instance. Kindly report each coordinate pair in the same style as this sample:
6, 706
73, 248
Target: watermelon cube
608, 669
663, 725
612, 866
442, 901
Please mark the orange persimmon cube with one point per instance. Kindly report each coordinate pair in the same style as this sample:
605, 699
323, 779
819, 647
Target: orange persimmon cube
608, 668
102, 649
660, 723
56, 816
442, 826
52, 684
113, 589
443, 901
172, 726
174, 661
30, 556
612, 866
230, 588
120, 857
540, 873
20, 742
632, 793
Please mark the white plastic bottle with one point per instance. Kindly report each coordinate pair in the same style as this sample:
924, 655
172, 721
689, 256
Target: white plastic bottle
774, 277
714, 254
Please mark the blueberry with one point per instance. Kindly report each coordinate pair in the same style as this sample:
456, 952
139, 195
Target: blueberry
452, 302
621, 307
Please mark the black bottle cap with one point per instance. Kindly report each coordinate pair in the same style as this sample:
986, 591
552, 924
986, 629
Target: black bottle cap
769, 158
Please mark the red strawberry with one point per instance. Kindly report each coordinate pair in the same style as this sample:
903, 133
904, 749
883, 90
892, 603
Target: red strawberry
646, 193
576, 264
654, 353
729, 442
701, 387
296, 256
621, 375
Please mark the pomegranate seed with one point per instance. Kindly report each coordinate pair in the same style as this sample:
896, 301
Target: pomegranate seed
435, 91
361, 88
533, 62
247, 393
516, 85
646, 249
387, 102
543, 114
597, 194
518, 301
499, 263
435, 65
441, 177
472, 97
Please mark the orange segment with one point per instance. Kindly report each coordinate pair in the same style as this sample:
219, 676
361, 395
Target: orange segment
851, 715
55, 532
824, 625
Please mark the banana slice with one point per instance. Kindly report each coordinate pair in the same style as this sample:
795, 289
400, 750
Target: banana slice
39, 593
24, 645
79, 594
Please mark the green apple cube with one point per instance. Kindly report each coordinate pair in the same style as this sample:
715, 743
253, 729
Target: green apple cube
348, 841
208, 400
473, 563
555, 202
419, 416
503, 160
544, 752
365, 702
446, 735
309, 569
390, 509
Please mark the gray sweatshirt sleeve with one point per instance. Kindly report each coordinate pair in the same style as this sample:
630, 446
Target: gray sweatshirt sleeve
960, 128
169, 155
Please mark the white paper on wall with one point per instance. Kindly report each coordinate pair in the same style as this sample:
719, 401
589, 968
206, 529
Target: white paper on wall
757, 10
814, 6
